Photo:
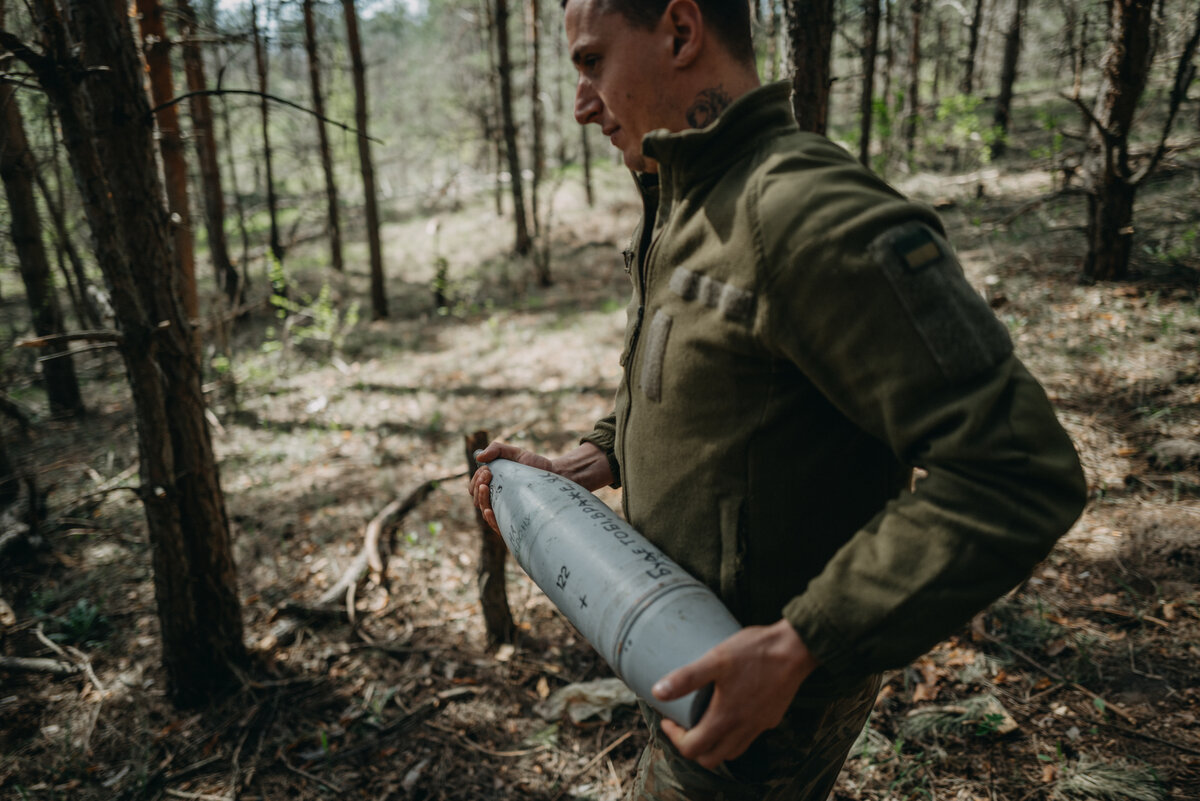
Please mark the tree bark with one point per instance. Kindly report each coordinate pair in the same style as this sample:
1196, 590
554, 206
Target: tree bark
968, 78
112, 156
541, 261
1111, 189
1008, 77
870, 51
379, 306
810, 49
157, 49
204, 134
89, 317
17, 170
260, 65
523, 241
333, 213
493, 592
585, 153
912, 109
772, 56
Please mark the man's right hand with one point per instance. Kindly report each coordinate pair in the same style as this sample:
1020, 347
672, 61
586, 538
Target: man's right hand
586, 465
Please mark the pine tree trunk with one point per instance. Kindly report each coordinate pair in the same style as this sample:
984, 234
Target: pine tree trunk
204, 134
333, 214
260, 64
112, 156
239, 206
157, 49
88, 316
1008, 77
968, 79
523, 242
493, 591
810, 49
585, 153
772, 66
541, 261
1111, 188
495, 134
17, 169
870, 52
913, 108
379, 306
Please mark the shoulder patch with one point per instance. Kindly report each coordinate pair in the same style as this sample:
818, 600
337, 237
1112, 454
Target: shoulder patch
961, 332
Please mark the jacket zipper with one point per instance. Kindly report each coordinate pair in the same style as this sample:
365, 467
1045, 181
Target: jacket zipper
642, 262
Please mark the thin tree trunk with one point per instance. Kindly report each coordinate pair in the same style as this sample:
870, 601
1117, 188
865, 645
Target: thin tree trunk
17, 169
112, 156
869, 53
157, 49
1008, 77
968, 78
495, 126
378, 292
64, 248
523, 242
204, 133
585, 151
260, 64
810, 49
88, 316
238, 204
541, 261
333, 214
493, 592
772, 67
914, 80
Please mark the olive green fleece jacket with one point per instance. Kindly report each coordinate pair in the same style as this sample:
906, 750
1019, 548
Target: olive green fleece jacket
799, 336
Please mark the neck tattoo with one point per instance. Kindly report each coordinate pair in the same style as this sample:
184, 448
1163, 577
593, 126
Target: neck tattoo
708, 106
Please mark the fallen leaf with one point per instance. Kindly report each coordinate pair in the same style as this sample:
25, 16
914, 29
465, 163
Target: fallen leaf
1049, 772
543, 687
1107, 599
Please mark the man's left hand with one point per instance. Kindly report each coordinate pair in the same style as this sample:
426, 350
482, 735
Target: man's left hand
755, 673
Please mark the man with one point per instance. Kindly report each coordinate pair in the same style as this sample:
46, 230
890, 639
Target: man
800, 336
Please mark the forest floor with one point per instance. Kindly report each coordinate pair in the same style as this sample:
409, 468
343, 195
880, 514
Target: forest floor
1081, 683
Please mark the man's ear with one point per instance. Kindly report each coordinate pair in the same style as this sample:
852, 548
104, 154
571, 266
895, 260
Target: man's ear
687, 30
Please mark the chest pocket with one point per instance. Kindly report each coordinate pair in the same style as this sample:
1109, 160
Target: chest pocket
732, 303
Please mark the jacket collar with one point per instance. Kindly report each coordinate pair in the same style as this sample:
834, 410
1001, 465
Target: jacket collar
688, 156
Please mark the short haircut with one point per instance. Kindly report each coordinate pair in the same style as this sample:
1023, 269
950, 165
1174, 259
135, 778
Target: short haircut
728, 19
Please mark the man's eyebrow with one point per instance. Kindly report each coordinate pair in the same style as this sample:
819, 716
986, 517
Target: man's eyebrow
578, 49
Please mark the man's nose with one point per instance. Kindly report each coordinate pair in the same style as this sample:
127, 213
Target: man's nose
587, 103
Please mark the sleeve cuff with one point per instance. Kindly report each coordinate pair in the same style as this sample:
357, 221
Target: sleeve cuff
605, 441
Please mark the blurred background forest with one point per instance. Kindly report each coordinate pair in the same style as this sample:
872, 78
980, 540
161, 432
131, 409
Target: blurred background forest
269, 267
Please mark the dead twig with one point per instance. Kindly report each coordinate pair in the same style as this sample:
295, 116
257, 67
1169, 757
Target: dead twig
79, 658
21, 664
608, 750
1053, 675
401, 725
100, 335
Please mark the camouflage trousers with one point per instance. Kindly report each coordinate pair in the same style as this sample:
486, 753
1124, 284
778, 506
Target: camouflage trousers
799, 760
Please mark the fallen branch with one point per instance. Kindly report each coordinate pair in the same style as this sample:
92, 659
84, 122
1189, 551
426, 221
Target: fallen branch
1052, 674
20, 664
79, 658
388, 518
401, 725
